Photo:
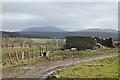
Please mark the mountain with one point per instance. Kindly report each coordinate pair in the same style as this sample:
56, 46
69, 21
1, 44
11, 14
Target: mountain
59, 34
53, 32
56, 29
43, 29
99, 30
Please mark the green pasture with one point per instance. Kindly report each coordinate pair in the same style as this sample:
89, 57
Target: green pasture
42, 40
83, 53
6, 61
105, 68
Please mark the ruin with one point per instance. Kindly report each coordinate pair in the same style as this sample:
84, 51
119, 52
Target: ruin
81, 43
108, 42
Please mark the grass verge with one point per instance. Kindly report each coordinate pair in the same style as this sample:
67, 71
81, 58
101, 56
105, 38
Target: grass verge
105, 68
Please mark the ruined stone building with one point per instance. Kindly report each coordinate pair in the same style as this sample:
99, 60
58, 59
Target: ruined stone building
108, 42
80, 42
86, 42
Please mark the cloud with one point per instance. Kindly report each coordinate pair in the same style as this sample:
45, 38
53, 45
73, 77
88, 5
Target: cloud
101, 21
60, 0
66, 15
18, 17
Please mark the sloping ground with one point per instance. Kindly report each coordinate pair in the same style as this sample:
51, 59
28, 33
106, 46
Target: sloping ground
104, 68
43, 69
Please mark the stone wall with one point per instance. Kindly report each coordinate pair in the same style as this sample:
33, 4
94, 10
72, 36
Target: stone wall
80, 42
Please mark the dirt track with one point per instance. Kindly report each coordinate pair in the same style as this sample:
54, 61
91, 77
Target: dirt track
41, 70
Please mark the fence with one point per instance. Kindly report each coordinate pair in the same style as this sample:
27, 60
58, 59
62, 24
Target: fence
26, 54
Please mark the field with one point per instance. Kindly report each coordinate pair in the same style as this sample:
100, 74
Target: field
105, 68
35, 56
18, 42
19, 50
41, 40
6, 61
15, 55
56, 55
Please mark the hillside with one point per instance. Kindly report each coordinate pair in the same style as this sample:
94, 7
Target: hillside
43, 29
54, 32
59, 34
99, 30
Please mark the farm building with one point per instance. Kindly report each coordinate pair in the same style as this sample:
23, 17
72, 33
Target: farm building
80, 42
86, 42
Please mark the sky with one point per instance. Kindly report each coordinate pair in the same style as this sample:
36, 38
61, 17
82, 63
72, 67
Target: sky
70, 16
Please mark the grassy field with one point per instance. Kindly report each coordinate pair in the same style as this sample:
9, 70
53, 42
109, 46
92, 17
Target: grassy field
41, 40
16, 42
56, 55
12, 50
19, 50
83, 53
105, 68
5, 58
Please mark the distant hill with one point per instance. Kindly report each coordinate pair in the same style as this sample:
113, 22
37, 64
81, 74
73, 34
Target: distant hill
99, 30
53, 32
56, 29
59, 34
43, 29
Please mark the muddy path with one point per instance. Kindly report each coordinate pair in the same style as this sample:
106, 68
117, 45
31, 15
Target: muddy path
43, 69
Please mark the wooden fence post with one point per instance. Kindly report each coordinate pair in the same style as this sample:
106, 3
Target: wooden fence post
16, 54
10, 58
32, 51
23, 56
40, 51
28, 54
35, 53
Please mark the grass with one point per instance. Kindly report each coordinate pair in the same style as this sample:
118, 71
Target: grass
5, 58
51, 56
17, 41
117, 44
13, 50
83, 53
105, 68
19, 50
25, 62
42, 40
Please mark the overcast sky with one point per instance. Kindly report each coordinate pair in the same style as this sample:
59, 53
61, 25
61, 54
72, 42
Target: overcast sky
69, 16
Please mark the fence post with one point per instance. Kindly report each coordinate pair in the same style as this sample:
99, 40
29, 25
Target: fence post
10, 58
28, 54
32, 53
23, 56
16, 56
40, 51
35, 54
